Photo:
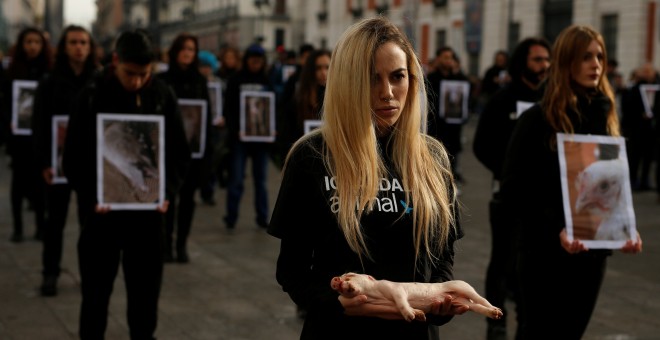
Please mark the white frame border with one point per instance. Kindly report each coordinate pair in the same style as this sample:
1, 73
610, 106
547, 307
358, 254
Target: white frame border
627, 193
160, 120
271, 116
202, 142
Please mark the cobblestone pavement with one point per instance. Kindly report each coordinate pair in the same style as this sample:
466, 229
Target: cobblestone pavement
228, 290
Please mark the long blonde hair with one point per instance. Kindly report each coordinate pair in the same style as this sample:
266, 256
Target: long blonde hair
559, 95
351, 152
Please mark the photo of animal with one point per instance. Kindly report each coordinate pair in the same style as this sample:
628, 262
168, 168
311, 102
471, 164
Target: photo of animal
193, 114
23, 101
454, 101
130, 155
412, 299
596, 191
600, 192
60, 125
256, 116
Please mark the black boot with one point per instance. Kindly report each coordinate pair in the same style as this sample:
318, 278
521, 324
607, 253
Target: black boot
182, 254
168, 255
49, 286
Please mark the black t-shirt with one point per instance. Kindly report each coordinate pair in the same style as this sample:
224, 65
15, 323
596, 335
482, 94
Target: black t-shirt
314, 249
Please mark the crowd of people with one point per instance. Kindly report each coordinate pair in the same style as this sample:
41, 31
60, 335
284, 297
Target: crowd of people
368, 141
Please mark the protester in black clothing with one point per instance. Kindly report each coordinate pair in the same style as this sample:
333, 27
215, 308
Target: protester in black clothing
576, 100
496, 77
528, 68
230, 63
133, 238
307, 102
448, 133
285, 116
30, 61
367, 192
637, 126
252, 77
74, 67
188, 83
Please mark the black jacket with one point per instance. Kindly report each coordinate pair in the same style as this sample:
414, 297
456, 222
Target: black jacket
531, 182
106, 95
56, 95
314, 249
192, 85
496, 124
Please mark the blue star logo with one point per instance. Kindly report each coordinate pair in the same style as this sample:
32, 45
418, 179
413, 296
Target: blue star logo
405, 206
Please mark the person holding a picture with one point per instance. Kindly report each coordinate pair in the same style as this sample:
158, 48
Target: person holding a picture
368, 192
252, 77
528, 69
446, 132
307, 101
558, 279
110, 237
31, 60
637, 107
184, 77
75, 65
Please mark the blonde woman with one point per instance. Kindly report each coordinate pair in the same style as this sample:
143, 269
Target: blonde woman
367, 193
559, 280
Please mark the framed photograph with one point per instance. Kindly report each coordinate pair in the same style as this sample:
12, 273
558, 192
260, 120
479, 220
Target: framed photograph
193, 113
648, 92
215, 94
522, 106
597, 199
454, 97
287, 71
22, 103
311, 124
130, 161
59, 127
257, 116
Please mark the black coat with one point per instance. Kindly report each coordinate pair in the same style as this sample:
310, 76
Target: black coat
106, 95
496, 124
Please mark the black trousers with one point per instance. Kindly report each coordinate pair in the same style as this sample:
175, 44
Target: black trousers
641, 151
134, 239
26, 182
558, 293
182, 208
500, 275
58, 197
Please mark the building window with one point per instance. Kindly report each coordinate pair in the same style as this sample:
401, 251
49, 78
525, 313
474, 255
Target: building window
514, 36
440, 39
609, 29
279, 37
280, 7
557, 15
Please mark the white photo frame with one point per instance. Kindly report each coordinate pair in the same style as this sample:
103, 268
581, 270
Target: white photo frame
194, 115
287, 71
60, 124
23, 92
522, 106
311, 124
257, 116
215, 95
648, 93
454, 95
130, 161
597, 197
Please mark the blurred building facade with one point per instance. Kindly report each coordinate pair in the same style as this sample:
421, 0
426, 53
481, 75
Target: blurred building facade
476, 29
